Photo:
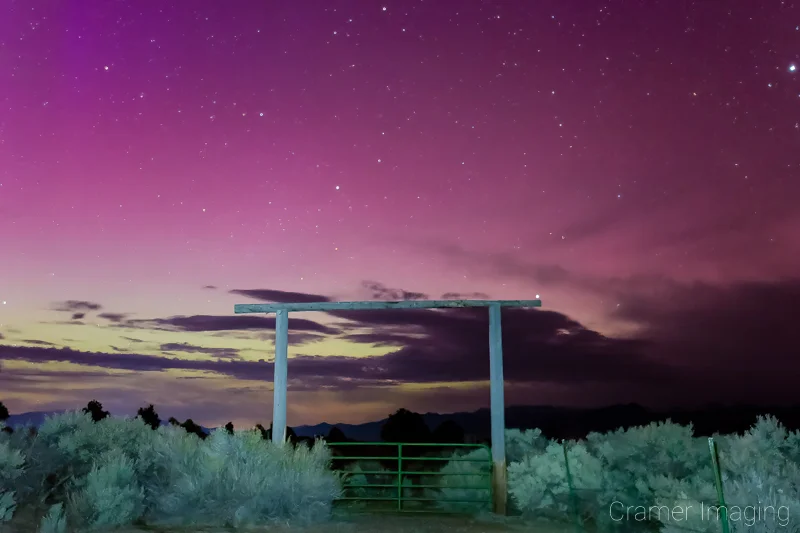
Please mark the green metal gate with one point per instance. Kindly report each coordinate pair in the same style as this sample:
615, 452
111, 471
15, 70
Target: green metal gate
414, 482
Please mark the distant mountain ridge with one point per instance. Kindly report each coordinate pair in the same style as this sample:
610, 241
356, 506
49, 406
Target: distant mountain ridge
32, 418
554, 421
575, 422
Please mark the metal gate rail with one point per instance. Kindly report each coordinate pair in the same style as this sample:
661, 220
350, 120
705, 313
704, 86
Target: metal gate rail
400, 474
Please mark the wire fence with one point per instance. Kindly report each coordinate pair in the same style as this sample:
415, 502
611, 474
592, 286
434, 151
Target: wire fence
580, 487
582, 499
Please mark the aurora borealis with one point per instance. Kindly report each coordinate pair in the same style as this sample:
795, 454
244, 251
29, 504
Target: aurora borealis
636, 164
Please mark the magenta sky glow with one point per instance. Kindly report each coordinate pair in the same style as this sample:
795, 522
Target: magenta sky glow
637, 165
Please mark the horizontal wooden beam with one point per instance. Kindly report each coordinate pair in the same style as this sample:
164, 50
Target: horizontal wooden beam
371, 304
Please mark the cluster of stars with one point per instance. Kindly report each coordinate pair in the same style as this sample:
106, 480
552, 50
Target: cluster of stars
432, 112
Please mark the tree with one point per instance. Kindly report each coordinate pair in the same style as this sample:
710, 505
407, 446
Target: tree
191, 427
95, 409
336, 435
266, 435
291, 436
448, 432
229, 427
149, 416
3, 417
405, 426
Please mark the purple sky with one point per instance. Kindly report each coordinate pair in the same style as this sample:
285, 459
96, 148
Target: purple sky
635, 164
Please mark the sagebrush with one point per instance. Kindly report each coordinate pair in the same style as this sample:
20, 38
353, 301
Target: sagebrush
78, 474
660, 477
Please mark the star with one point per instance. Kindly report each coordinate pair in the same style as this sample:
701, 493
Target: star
144, 147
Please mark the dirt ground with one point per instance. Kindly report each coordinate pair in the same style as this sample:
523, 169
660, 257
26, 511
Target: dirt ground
376, 522
413, 523
426, 523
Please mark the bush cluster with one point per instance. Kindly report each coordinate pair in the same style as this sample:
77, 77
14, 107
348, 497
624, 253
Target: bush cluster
661, 478
86, 471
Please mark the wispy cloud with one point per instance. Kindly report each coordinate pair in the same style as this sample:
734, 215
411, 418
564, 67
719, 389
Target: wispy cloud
113, 317
223, 353
76, 306
437, 346
695, 342
276, 296
379, 291
207, 323
38, 342
465, 296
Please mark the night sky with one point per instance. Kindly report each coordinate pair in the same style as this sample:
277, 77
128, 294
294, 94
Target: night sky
636, 164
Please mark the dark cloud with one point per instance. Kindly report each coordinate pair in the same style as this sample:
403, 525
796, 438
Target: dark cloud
300, 337
205, 323
276, 296
113, 317
50, 376
295, 337
438, 346
223, 353
538, 346
386, 339
209, 287
76, 306
694, 343
379, 291
128, 361
80, 308
741, 339
38, 342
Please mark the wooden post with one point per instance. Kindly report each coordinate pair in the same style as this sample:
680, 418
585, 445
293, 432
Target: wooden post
280, 373
281, 311
498, 410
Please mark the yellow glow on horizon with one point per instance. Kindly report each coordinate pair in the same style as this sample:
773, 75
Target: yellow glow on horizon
191, 391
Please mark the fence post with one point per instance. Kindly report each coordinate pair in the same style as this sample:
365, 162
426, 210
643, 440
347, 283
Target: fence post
571, 486
498, 410
280, 373
400, 477
712, 447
